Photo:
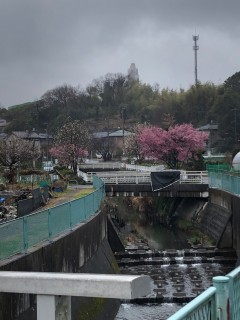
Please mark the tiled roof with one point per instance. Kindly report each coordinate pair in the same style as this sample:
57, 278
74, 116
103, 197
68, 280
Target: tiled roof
208, 126
101, 134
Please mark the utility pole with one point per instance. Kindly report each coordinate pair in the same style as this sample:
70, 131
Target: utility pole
195, 48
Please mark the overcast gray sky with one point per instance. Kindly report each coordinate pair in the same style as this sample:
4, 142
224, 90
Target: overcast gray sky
47, 43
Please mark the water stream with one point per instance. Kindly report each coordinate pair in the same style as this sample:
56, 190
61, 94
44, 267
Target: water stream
170, 244
161, 238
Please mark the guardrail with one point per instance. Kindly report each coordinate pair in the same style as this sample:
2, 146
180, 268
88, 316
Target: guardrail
54, 290
225, 181
22, 233
134, 177
126, 177
220, 302
136, 167
102, 165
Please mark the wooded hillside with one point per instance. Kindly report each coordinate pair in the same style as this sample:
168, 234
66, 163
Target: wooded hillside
111, 102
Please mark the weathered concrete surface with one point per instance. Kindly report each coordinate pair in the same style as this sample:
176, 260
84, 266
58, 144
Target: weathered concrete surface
231, 203
114, 240
219, 217
175, 190
86, 249
75, 284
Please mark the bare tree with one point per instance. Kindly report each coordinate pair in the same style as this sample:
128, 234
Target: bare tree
60, 96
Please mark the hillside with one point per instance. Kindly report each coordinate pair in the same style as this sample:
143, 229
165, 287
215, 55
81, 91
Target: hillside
110, 102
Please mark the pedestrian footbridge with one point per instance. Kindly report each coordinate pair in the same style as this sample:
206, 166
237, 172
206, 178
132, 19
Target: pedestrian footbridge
192, 184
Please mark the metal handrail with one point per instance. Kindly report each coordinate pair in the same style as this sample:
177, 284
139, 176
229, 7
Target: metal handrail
134, 177
19, 235
220, 302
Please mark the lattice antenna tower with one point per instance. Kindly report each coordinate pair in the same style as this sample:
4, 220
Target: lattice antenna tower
196, 48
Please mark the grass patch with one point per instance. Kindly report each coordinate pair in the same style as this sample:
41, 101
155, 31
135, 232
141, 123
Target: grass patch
84, 193
195, 236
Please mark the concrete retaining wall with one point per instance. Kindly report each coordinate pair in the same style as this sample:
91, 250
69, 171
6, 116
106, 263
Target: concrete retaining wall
86, 249
219, 217
230, 203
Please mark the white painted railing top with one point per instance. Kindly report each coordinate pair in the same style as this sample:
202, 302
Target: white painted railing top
49, 286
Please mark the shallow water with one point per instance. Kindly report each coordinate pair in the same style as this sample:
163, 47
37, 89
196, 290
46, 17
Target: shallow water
160, 238
147, 312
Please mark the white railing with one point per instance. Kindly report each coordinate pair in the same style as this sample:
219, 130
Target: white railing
194, 177
54, 290
133, 177
102, 165
125, 177
135, 167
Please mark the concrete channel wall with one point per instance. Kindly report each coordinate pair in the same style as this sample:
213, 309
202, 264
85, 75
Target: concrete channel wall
85, 249
218, 217
229, 203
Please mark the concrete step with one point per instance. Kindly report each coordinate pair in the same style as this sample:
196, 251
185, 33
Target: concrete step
178, 283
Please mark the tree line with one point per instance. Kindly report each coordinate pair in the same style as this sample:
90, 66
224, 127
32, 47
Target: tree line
111, 102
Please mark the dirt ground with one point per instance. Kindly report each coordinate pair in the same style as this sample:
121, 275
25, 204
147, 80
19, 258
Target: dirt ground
70, 194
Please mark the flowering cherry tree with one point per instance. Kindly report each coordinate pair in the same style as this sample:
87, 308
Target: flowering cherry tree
132, 145
70, 144
173, 147
14, 152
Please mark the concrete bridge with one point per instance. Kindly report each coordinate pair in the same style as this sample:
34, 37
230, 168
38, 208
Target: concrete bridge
191, 184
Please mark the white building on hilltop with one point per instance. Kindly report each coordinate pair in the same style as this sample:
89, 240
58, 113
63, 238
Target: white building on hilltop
133, 73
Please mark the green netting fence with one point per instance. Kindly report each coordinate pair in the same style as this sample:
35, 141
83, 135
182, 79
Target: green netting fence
220, 167
19, 235
225, 181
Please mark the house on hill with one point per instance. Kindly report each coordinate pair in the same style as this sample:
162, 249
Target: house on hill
43, 141
112, 142
213, 136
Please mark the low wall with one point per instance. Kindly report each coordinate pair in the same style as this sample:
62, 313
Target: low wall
39, 197
85, 249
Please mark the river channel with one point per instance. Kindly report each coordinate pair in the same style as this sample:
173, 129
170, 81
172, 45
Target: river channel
160, 239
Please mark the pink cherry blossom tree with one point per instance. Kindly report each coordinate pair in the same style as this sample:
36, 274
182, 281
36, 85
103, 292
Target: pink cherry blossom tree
175, 146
